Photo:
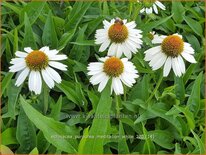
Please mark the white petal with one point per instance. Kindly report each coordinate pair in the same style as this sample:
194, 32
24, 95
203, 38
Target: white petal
28, 49
95, 79
21, 78
44, 49
38, 83
57, 57
155, 8
104, 45
188, 48
106, 24
103, 84
21, 54
131, 25
48, 80
181, 64
188, 57
31, 80
150, 10
53, 74
17, 67
160, 5
117, 86
167, 66
119, 51
112, 49
156, 58
53, 52
175, 67
16, 60
58, 65
126, 51
158, 39
159, 62
142, 10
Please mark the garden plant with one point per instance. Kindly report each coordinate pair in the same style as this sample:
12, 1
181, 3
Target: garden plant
102, 77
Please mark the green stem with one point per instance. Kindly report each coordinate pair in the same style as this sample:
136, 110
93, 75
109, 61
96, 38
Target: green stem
117, 105
125, 93
156, 88
46, 96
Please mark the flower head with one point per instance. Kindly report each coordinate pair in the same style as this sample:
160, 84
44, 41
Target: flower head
122, 36
150, 5
119, 70
170, 54
37, 64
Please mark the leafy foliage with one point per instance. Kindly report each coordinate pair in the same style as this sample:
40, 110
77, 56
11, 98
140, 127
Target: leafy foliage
169, 119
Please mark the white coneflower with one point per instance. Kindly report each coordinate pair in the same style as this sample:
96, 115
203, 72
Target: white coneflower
119, 70
170, 54
150, 5
37, 64
122, 36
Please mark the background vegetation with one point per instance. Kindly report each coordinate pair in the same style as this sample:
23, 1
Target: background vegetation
169, 119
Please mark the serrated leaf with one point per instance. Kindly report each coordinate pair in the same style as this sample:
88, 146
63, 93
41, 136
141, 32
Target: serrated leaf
99, 124
195, 25
178, 11
194, 100
122, 144
28, 40
33, 10
25, 133
55, 128
9, 136
49, 36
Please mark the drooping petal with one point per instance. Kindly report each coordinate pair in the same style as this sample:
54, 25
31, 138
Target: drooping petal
58, 65
53, 74
22, 76
188, 57
47, 79
167, 66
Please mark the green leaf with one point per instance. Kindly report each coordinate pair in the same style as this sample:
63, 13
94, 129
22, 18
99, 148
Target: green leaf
28, 40
49, 36
177, 149
56, 109
33, 10
12, 6
66, 37
42, 143
5, 150
99, 125
9, 136
5, 82
13, 94
25, 133
163, 138
76, 15
189, 116
8, 51
140, 90
178, 11
122, 144
84, 43
194, 100
150, 25
148, 147
34, 151
56, 131
199, 143
179, 88
195, 25
83, 140
66, 87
